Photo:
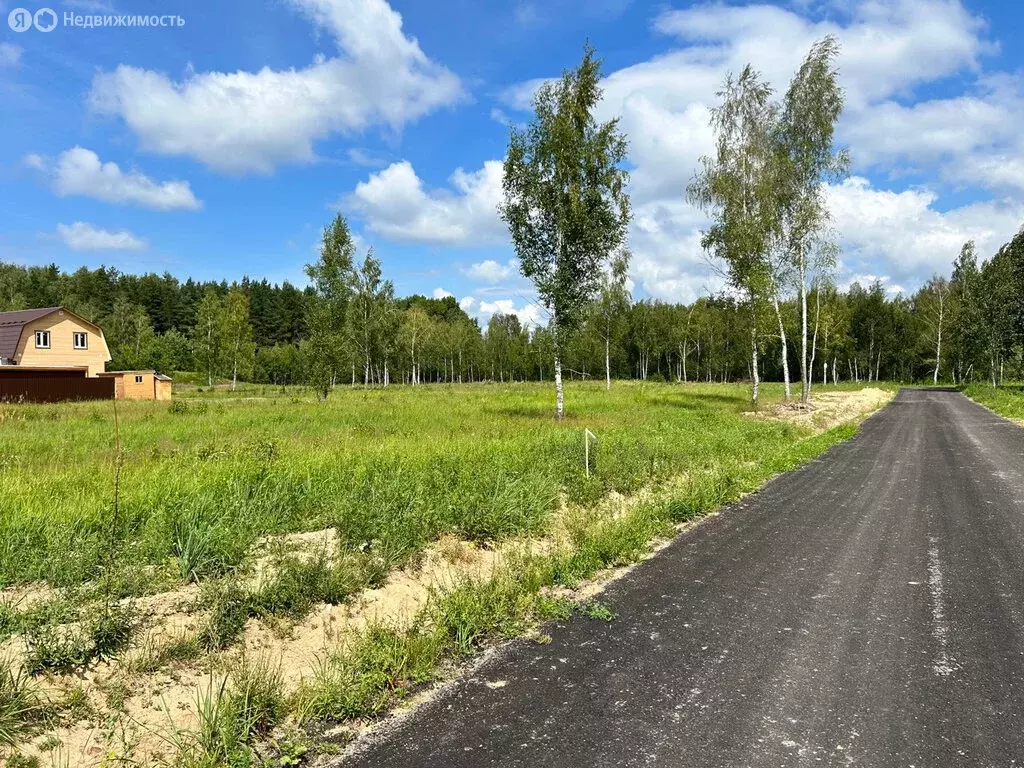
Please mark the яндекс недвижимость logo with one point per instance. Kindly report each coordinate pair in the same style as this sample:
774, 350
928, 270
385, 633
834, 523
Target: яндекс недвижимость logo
22, 20
45, 20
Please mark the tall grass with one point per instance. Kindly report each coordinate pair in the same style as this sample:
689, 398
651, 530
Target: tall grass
1005, 400
21, 708
390, 469
233, 712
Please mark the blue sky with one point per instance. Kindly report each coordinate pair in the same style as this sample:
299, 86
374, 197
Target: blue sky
222, 147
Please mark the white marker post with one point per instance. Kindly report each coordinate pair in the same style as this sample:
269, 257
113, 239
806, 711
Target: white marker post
587, 435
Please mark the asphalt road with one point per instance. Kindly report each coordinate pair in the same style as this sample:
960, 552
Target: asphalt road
865, 610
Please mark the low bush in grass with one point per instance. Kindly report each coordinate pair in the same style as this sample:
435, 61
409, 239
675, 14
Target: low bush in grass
243, 707
53, 646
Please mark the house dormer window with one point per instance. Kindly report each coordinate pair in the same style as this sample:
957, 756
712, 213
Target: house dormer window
42, 339
81, 340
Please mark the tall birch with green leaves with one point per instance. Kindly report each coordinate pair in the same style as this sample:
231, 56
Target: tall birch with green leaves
735, 186
565, 199
807, 160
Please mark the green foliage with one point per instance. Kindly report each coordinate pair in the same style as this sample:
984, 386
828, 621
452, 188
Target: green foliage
565, 198
21, 708
223, 337
365, 677
229, 609
1007, 400
594, 609
129, 335
53, 646
205, 544
244, 706
297, 584
155, 655
331, 277
474, 611
566, 204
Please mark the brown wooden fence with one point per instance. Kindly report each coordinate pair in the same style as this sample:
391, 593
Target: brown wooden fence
53, 389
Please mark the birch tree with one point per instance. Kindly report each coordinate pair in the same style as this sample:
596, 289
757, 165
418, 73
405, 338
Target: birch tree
370, 321
331, 278
208, 336
807, 160
129, 335
967, 327
414, 328
611, 308
935, 294
565, 199
736, 187
239, 349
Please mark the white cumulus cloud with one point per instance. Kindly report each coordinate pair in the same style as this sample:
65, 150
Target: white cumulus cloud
396, 204
80, 171
906, 233
85, 237
491, 271
252, 121
530, 315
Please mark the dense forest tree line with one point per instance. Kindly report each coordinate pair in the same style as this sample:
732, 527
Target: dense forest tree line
780, 316
968, 326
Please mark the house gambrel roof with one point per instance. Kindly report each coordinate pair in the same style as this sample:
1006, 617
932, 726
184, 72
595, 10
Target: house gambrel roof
11, 324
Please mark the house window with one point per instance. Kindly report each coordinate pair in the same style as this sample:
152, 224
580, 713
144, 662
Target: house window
81, 340
42, 339
138, 379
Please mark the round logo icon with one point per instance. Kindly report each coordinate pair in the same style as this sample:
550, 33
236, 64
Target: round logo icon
20, 20
45, 20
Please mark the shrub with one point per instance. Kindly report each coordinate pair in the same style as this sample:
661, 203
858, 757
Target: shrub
111, 630
230, 609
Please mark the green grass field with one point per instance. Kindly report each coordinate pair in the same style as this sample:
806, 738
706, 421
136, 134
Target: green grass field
1006, 400
207, 478
395, 468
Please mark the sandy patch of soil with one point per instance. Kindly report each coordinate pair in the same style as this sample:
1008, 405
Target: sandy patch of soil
132, 715
827, 409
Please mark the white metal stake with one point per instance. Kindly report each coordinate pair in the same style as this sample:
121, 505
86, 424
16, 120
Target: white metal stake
587, 434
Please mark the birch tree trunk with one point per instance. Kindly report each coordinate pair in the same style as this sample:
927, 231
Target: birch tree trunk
559, 393
209, 344
753, 352
785, 351
805, 384
607, 365
814, 341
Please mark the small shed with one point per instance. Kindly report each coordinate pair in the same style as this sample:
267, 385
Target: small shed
140, 385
